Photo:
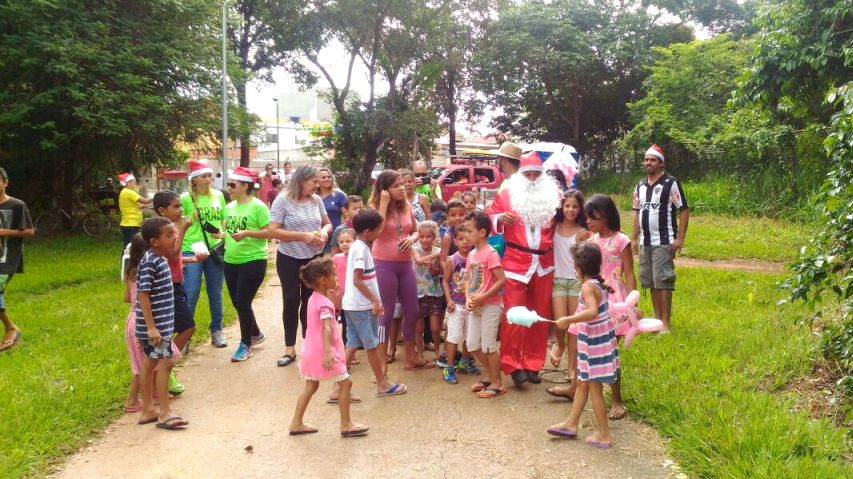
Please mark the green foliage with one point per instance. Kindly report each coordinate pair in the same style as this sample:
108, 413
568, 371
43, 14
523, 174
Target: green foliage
95, 87
564, 70
802, 74
716, 387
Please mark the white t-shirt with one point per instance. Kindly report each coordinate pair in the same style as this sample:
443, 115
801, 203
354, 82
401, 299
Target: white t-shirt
359, 258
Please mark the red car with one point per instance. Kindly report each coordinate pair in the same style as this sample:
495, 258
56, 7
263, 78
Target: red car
467, 171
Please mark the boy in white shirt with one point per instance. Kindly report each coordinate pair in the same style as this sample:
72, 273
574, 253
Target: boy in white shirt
361, 302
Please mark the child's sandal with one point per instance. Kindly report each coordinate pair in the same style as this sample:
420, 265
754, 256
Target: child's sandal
480, 385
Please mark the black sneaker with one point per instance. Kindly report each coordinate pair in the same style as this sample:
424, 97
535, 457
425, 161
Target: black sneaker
533, 376
519, 377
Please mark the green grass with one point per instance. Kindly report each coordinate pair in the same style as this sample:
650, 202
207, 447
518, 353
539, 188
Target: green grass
715, 386
68, 378
716, 237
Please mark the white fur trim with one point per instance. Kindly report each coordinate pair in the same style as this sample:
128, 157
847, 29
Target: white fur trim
538, 168
127, 180
655, 153
244, 179
201, 171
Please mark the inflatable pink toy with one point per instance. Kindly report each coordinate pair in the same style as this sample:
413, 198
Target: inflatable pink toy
628, 308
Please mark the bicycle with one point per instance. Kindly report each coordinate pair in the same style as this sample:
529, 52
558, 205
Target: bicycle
95, 222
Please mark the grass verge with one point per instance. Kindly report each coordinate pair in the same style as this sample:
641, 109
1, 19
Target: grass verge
714, 387
67, 380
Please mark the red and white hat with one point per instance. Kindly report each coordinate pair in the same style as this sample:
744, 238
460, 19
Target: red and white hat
531, 161
199, 167
126, 178
243, 174
656, 152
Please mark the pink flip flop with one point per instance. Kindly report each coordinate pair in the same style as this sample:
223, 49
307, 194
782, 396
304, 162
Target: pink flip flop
600, 445
554, 431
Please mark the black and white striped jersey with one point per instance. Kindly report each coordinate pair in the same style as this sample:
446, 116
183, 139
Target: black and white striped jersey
658, 204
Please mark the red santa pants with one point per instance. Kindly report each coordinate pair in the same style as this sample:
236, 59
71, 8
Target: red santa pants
524, 348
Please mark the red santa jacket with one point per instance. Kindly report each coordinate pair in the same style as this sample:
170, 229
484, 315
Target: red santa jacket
528, 250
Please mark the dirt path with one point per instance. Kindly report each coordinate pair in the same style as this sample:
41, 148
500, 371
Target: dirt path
436, 430
751, 265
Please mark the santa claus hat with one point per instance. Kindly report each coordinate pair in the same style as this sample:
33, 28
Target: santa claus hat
531, 162
126, 178
199, 167
245, 175
655, 151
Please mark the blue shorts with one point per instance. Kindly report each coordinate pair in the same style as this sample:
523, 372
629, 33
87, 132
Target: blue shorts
362, 329
4, 280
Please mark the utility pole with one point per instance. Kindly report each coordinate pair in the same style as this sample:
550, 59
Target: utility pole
224, 94
277, 140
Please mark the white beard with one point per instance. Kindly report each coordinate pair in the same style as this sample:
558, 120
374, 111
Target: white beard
536, 202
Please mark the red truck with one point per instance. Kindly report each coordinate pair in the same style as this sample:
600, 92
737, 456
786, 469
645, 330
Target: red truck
472, 168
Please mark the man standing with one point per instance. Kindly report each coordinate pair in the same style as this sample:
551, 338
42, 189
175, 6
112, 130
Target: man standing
523, 211
15, 225
509, 160
424, 184
657, 235
129, 204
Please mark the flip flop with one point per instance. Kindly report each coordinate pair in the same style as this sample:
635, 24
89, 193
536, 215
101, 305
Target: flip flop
133, 409
426, 365
480, 385
142, 422
394, 390
173, 423
310, 430
358, 431
286, 360
555, 431
353, 398
9, 343
490, 392
555, 360
600, 445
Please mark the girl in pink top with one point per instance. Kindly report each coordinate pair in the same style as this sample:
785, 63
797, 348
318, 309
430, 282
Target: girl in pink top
617, 268
323, 355
392, 253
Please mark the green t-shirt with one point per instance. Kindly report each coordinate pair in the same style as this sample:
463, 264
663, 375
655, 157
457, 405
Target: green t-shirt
250, 216
211, 209
424, 190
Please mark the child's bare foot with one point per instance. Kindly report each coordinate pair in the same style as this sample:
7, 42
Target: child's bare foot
617, 411
147, 417
599, 441
301, 428
354, 429
133, 406
420, 363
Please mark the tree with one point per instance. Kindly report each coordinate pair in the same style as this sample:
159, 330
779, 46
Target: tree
564, 70
90, 88
268, 34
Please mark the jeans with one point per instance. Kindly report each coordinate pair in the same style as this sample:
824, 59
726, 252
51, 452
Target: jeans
243, 281
295, 295
213, 277
127, 233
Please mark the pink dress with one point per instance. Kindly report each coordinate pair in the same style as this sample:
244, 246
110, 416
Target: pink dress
134, 349
320, 308
611, 271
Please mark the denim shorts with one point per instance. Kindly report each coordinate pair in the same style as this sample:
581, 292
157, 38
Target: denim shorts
362, 329
4, 280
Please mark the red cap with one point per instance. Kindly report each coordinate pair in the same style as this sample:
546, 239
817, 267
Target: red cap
199, 167
126, 178
531, 161
243, 174
656, 152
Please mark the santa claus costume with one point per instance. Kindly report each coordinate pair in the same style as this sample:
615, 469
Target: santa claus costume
523, 212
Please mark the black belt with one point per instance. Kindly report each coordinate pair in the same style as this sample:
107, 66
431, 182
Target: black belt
526, 249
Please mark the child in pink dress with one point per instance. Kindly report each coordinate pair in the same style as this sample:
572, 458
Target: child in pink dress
617, 269
323, 355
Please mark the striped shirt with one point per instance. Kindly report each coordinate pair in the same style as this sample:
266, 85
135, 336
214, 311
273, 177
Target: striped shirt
305, 216
657, 204
154, 277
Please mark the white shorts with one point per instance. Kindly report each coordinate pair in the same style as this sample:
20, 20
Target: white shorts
483, 325
457, 324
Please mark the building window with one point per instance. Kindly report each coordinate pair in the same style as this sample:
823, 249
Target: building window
272, 138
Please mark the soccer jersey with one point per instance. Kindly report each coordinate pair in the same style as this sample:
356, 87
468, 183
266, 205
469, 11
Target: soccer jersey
359, 257
657, 204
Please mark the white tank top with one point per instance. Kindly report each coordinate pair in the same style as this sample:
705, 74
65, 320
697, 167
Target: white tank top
564, 263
